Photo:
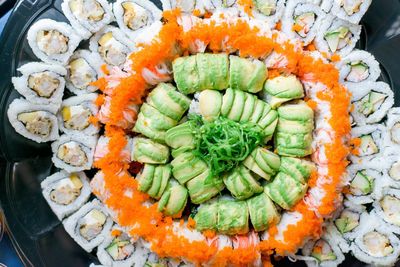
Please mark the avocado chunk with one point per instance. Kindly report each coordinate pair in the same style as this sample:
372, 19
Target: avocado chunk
148, 151
227, 102
186, 74
302, 141
296, 112
371, 103
299, 169
268, 118
334, 37
285, 191
168, 101
187, 166
202, 188
161, 177
213, 71
176, 152
241, 183
367, 146
263, 212
282, 89
266, 160
237, 106
181, 135
210, 103
174, 199
266, 7
347, 221
233, 217
155, 119
359, 71
207, 216
142, 127
145, 177
295, 127
322, 251
252, 165
246, 74
258, 111
362, 184
249, 106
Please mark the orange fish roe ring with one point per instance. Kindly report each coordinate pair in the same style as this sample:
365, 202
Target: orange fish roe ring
326, 96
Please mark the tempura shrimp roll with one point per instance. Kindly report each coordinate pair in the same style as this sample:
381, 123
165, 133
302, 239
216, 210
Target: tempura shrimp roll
87, 16
33, 121
387, 207
66, 192
53, 41
41, 83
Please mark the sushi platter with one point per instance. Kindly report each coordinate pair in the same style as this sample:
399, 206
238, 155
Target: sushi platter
201, 133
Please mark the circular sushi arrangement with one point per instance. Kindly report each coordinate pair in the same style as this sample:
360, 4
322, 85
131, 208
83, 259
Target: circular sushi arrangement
222, 133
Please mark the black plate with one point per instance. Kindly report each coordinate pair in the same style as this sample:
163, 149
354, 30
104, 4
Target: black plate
37, 234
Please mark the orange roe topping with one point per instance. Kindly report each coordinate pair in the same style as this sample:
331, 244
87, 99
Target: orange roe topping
335, 58
247, 6
297, 27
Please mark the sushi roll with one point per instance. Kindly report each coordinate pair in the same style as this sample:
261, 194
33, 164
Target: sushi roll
206, 217
270, 11
74, 153
350, 10
281, 89
76, 113
102, 149
388, 209
174, 199
186, 6
213, 5
147, 151
87, 16
83, 69
371, 143
89, 225
359, 66
135, 16
53, 41
301, 20
393, 128
293, 135
66, 192
119, 249
153, 180
390, 165
210, 104
181, 136
242, 184
204, 187
375, 243
32, 121
263, 212
364, 184
112, 46
372, 101
263, 162
229, 208
41, 83
322, 252
187, 166
337, 36
129, 114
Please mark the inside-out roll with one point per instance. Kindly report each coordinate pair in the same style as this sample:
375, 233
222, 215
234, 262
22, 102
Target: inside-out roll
336, 36
351, 11
301, 20
53, 41
41, 83
66, 192
83, 69
358, 66
212, 5
135, 16
74, 152
393, 127
87, 16
89, 225
186, 6
111, 44
371, 143
76, 113
270, 11
33, 121
388, 208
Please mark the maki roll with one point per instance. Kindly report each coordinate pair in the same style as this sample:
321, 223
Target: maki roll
247, 74
154, 179
174, 199
375, 243
89, 225
212, 5
83, 69
270, 11
41, 83
372, 103
112, 46
206, 217
87, 16
390, 165
363, 184
148, 151
74, 152
120, 250
204, 187
359, 66
53, 41
181, 136
241, 183
282, 89
294, 131
186, 6
187, 166
370, 146
229, 208
263, 162
32, 121
299, 169
337, 36
76, 113
301, 20
350, 10
393, 128
263, 212
135, 16
66, 192
388, 209
102, 149
323, 252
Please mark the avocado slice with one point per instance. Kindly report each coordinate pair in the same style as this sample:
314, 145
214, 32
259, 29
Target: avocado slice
371, 103
227, 102
148, 151
258, 111
249, 106
322, 251
302, 141
185, 167
283, 89
168, 101
269, 131
174, 200
155, 119
181, 135
333, 37
237, 185
293, 152
263, 212
368, 146
266, 7
142, 127
268, 119
213, 71
201, 190
233, 217
247, 75
237, 106
362, 184
250, 180
165, 174
347, 221
296, 112
207, 216
252, 165
294, 127
186, 74
112, 250
265, 159
359, 71
176, 152
145, 178
298, 169
210, 103
156, 184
